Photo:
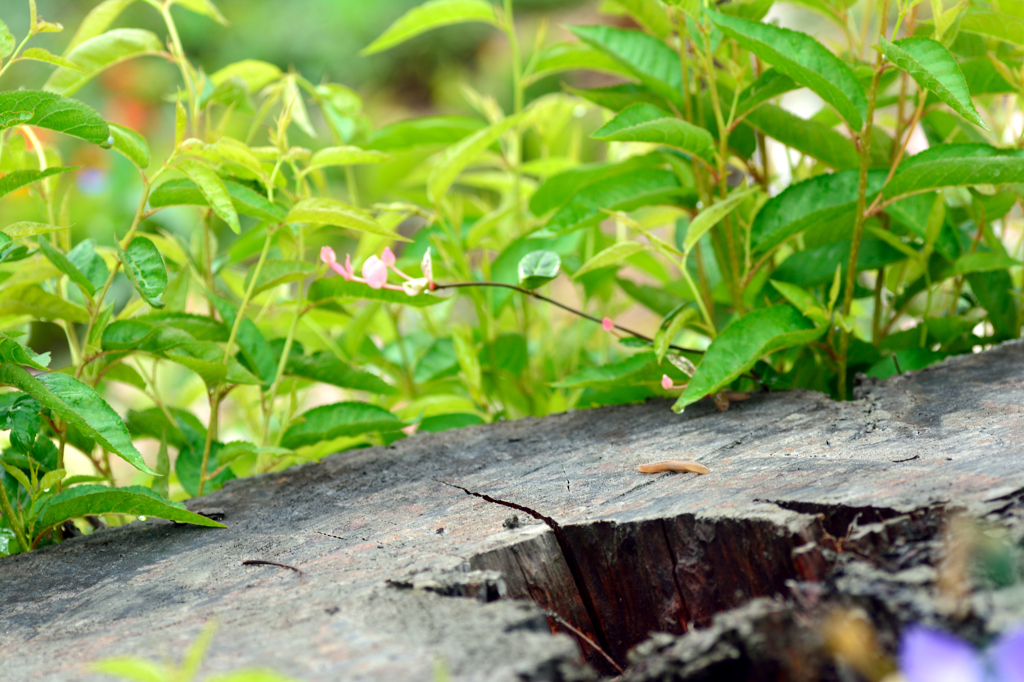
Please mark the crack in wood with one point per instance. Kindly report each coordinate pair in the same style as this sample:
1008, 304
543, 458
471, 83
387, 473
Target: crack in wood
567, 555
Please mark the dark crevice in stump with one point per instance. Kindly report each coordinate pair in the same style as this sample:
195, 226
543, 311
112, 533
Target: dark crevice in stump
662, 575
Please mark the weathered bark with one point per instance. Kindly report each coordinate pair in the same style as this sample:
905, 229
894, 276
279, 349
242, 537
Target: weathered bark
614, 553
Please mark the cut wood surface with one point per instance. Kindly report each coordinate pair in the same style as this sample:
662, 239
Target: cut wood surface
391, 541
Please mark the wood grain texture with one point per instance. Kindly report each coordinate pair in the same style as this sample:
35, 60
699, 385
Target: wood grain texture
628, 553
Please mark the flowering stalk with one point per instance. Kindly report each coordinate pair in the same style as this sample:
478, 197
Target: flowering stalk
375, 275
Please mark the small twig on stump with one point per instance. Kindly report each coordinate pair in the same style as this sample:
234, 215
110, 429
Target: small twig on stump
261, 562
561, 621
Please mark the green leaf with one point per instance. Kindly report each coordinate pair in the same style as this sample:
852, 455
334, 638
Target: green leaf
145, 268
559, 189
457, 157
994, 291
200, 327
97, 54
246, 201
804, 60
213, 189
446, 422
12, 351
808, 136
822, 199
619, 97
671, 325
18, 179
996, 24
711, 216
7, 41
97, 21
649, 59
64, 264
184, 432
948, 165
78, 404
980, 262
328, 369
346, 156
418, 132
34, 301
40, 55
638, 369
325, 211
647, 123
934, 68
803, 300
768, 86
338, 288
742, 344
983, 78
538, 268
132, 669
277, 272
613, 255
126, 375
337, 420
92, 499
47, 110
625, 192
130, 144
204, 358
649, 13
254, 347
562, 57
26, 229
431, 15
205, 8
254, 73
818, 265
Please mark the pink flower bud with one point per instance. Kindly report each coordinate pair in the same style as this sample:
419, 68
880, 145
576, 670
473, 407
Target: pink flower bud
666, 382
607, 324
388, 257
327, 255
375, 272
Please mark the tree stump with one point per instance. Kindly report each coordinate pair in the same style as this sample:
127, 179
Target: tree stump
430, 551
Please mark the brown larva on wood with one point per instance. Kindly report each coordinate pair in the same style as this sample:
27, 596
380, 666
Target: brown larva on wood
674, 465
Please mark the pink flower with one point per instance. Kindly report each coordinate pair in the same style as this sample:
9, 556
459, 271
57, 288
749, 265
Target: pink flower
327, 256
668, 385
607, 324
375, 272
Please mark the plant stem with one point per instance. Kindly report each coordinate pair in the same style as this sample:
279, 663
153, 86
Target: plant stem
353, 189
862, 188
735, 293
282, 364
98, 308
248, 295
19, 530
539, 297
518, 96
211, 429
179, 57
